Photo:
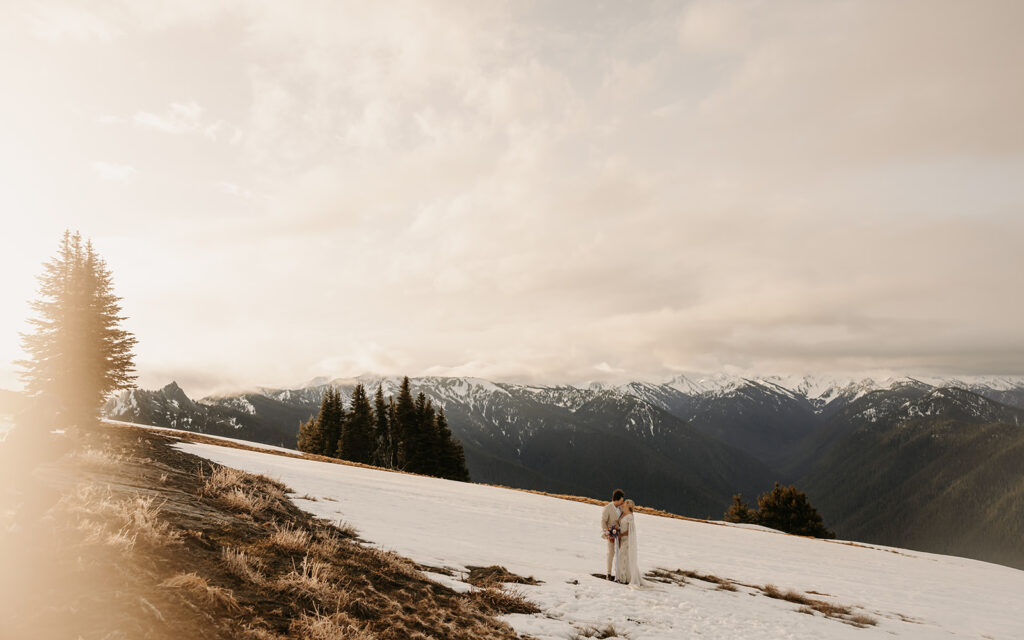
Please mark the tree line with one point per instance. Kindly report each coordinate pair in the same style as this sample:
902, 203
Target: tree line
404, 433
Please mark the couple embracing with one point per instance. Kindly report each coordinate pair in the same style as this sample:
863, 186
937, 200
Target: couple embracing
619, 529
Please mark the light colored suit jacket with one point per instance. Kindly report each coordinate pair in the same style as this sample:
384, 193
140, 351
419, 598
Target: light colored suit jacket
609, 517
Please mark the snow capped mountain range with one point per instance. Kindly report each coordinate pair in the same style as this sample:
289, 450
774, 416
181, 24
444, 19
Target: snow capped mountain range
711, 402
819, 389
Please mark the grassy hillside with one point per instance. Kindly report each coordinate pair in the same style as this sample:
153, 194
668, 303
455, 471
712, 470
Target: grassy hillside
114, 534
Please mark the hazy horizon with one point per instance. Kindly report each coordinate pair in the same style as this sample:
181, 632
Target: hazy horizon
545, 192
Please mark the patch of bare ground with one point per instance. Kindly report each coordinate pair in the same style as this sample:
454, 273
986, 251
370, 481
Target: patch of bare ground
812, 606
809, 605
608, 631
118, 535
501, 601
680, 576
491, 596
495, 575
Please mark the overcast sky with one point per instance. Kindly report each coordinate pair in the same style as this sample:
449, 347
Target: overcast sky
552, 192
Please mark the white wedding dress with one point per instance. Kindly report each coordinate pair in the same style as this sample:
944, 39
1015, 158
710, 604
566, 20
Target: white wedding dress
627, 567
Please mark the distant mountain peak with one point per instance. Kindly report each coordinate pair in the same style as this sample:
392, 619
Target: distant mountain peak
317, 381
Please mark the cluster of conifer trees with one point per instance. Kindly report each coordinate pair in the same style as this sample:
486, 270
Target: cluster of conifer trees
784, 509
403, 433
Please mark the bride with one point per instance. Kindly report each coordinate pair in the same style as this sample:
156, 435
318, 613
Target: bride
627, 569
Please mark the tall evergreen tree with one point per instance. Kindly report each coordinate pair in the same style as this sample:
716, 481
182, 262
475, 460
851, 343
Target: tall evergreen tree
451, 457
405, 422
381, 434
357, 432
460, 471
315, 435
333, 422
421, 438
395, 445
740, 512
431, 444
77, 352
308, 437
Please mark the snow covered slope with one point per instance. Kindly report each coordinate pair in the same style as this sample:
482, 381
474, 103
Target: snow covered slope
443, 523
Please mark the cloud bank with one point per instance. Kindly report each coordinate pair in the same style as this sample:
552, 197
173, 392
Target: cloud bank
539, 191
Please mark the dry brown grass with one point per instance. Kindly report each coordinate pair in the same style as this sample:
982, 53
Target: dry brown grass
391, 561
199, 588
861, 620
158, 546
680, 576
345, 529
260, 633
813, 605
247, 494
222, 479
808, 604
607, 631
772, 591
141, 516
120, 522
247, 502
311, 578
291, 539
242, 566
328, 542
494, 576
500, 601
335, 626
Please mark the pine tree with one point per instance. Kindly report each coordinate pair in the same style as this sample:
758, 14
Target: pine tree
431, 445
421, 438
451, 457
357, 432
307, 438
333, 422
337, 424
77, 352
381, 431
740, 512
395, 445
460, 471
789, 510
405, 421
314, 435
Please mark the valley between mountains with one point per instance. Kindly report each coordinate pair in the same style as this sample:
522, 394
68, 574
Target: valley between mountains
928, 464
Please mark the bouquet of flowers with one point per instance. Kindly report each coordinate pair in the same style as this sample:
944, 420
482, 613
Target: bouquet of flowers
612, 533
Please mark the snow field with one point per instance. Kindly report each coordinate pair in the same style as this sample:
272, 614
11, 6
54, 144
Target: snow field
443, 523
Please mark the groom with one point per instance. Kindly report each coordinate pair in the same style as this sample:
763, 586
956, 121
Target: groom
610, 518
